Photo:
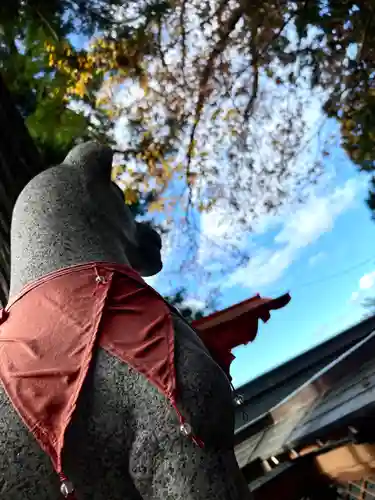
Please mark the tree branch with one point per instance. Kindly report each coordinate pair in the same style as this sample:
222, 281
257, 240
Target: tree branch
218, 12
46, 24
162, 57
204, 90
254, 64
278, 33
183, 37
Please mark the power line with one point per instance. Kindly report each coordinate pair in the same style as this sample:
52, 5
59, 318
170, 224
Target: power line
338, 274
332, 276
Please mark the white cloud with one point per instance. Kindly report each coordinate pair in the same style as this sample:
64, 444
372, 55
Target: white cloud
308, 223
367, 281
194, 304
300, 228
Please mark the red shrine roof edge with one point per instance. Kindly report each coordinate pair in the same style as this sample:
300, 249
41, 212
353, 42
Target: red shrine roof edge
241, 308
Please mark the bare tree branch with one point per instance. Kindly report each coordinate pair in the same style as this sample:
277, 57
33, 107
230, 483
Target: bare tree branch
254, 64
204, 90
217, 13
46, 24
162, 56
183, 36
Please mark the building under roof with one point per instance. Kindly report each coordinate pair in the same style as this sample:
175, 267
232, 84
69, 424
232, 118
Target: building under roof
306, 427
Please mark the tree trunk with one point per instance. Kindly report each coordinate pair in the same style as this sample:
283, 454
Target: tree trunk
20, 161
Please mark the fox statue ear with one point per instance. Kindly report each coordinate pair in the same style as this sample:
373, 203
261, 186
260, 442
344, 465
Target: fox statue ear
94, 158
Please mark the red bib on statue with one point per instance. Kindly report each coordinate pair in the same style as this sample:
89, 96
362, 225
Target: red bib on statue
51, 328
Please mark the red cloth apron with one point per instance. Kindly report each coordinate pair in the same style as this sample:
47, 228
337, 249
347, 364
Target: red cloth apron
49, 331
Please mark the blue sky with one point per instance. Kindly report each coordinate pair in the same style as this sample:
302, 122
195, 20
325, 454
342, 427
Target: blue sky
321, 253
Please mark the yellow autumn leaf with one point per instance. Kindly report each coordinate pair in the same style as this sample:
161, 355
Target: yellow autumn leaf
156, 206
143, 82
117, 170
166, 166
101, 100
210, 204
215, 114
151, 165
201, 207
49, 47
130, 196
166, 173
110, 113
80, 88
180, 167
230, 114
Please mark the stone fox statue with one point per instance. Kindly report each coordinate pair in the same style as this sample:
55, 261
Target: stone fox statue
106, 393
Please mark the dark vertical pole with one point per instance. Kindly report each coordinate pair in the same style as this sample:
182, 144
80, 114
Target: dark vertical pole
20, 161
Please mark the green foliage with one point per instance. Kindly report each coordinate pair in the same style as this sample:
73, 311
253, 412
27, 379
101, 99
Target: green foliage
54, 85
39, 91
202, 88
178, 299
349, 29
